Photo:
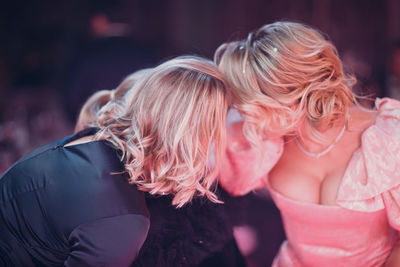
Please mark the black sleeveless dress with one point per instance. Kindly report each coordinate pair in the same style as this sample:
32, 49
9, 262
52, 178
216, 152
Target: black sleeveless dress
63, 206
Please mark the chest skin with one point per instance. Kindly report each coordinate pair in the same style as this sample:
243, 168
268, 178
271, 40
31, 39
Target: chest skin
316, 180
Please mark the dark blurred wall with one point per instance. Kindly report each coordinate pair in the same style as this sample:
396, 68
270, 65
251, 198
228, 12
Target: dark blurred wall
39, 37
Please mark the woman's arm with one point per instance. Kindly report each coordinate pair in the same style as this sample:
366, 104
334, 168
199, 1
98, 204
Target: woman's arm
244, 167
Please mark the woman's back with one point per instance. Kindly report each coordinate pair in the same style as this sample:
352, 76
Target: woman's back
57, 200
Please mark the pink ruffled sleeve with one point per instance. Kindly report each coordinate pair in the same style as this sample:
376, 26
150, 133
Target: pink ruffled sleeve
245, 168
372, 178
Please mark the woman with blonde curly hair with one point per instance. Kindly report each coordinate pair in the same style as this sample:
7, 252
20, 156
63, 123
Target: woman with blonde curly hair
78, 201
196, 234
337, 181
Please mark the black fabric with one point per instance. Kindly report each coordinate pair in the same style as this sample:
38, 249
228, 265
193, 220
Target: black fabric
199, 234
60, 202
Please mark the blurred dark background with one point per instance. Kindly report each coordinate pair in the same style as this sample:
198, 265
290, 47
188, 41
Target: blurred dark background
53, 54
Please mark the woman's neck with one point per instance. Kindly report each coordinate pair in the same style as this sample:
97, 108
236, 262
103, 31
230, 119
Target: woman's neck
327, 134
319, 143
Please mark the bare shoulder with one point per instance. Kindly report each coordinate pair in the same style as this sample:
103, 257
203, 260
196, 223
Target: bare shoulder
294, 179
82, 140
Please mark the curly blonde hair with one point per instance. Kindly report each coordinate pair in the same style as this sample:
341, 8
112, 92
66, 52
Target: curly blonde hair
170, 119
283, 75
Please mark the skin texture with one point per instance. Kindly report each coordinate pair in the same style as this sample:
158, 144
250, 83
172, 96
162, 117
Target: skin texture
82, 140
316, 180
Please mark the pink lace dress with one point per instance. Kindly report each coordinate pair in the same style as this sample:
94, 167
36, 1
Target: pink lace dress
358, 231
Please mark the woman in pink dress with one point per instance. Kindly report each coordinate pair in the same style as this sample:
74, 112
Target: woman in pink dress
337, 180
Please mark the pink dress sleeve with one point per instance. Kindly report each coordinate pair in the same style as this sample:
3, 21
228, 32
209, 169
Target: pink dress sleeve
372, 178
245, 168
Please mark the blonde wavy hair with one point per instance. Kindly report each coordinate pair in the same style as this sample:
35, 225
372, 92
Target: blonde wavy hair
171, 118
106, 100
286, 75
